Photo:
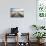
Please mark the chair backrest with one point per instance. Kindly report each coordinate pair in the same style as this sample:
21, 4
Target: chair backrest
14, 30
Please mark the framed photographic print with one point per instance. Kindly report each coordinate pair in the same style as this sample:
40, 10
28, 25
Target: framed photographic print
16, 12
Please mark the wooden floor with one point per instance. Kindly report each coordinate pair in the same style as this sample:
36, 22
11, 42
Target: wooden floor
13, 44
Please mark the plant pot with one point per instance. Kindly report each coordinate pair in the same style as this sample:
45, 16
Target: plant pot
40, 41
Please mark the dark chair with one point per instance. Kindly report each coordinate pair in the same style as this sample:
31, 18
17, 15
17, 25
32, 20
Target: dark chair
14, 32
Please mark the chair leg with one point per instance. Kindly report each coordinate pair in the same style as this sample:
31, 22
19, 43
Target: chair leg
5, 40
5, 43
17, 39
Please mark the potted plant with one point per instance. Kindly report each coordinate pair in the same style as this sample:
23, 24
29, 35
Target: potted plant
35, 26
42, 27
39, 36
38, 27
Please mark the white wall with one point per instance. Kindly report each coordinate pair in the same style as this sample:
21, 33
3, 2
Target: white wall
24, 24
